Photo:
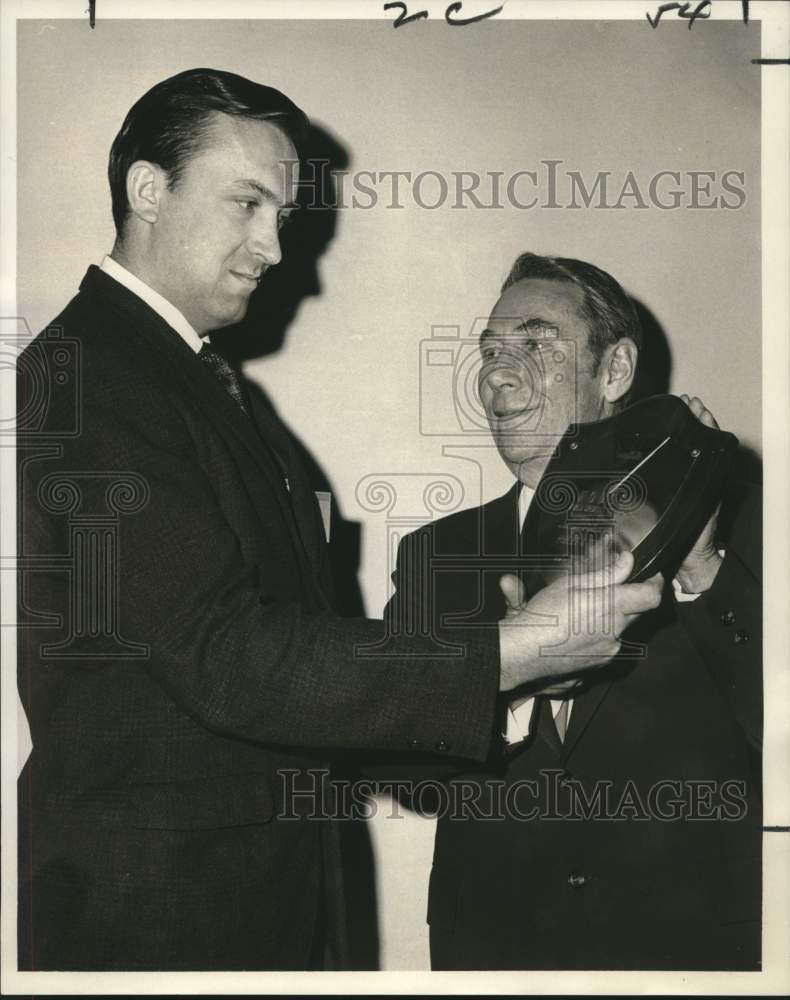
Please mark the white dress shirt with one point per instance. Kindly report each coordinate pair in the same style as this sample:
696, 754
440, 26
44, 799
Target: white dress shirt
172, 316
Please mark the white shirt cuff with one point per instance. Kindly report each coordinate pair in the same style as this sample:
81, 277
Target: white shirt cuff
680, 593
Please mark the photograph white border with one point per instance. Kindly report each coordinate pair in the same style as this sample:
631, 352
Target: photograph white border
775, 977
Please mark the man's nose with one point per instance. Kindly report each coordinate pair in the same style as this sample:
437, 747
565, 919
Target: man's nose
265, 242
505, 376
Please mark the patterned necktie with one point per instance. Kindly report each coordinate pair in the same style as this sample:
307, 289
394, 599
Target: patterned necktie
225, 373
228, 378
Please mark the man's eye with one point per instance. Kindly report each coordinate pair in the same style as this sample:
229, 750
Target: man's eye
246, 204
487, 353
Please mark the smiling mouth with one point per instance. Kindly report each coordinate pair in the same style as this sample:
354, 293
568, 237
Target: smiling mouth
514, 416
249, 279
513, 426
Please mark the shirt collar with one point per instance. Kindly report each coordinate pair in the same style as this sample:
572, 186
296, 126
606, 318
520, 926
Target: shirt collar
172, 316
525, 495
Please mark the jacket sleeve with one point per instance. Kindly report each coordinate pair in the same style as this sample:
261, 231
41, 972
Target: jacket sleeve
416, 606
725, 622
240, 661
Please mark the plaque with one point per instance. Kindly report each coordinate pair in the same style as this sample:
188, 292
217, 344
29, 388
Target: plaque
646, 479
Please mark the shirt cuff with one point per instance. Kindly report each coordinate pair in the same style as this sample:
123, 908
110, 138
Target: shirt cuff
680, 593
517, 721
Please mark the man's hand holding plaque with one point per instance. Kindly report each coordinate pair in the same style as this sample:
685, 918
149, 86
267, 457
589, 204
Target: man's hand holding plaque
699, 568
571, 625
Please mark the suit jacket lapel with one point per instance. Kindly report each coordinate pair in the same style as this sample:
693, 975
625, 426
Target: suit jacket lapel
584, 708
499, 543
302, 500
307, 514
202, 385
500, 524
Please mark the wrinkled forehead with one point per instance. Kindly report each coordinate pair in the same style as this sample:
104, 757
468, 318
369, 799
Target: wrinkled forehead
538, 306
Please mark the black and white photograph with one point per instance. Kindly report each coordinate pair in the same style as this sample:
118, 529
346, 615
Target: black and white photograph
395, 438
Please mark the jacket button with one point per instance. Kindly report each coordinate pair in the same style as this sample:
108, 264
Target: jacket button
742, 636
442, 745
415, 744
575, 880
728, 618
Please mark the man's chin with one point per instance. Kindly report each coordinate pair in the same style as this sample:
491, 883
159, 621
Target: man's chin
231, 316
527, 464
527, 456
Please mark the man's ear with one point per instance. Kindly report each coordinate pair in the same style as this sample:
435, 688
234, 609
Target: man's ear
145, 182
618, 369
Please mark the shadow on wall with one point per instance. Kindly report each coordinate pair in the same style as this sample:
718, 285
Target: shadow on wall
654, 376
272, 308
305, 239
655, 359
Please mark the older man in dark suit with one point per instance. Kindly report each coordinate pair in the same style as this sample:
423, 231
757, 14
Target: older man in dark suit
617, 825
182, 652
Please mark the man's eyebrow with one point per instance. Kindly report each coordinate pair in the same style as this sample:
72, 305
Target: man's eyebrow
266, 193
538, 325
535, 325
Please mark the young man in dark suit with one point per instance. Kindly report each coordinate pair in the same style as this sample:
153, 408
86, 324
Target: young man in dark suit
181, 659
618, 823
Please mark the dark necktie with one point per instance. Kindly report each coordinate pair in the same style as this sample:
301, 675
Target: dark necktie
226, 375
229, 379
545, 724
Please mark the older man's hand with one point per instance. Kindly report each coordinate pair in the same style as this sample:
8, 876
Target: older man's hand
699, 568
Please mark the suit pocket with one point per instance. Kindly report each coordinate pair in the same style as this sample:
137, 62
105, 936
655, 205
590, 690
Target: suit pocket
203, 803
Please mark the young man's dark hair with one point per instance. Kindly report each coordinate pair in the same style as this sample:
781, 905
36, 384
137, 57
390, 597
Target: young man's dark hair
610, 312
168, 123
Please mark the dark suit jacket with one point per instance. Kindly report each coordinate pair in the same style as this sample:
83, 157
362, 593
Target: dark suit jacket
528, 880
179, 650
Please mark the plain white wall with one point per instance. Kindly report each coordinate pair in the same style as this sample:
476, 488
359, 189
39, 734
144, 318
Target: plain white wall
501, 96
